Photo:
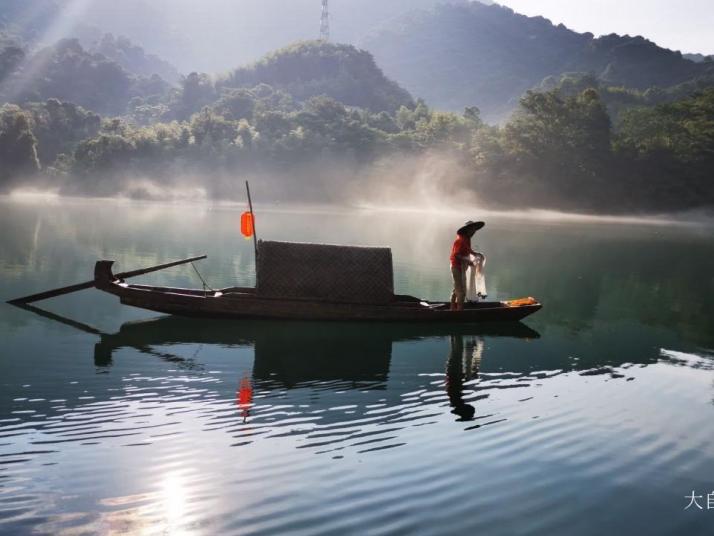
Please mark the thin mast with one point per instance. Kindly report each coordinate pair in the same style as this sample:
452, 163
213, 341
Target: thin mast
252, 217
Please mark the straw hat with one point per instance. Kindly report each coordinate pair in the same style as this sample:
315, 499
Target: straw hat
470, 227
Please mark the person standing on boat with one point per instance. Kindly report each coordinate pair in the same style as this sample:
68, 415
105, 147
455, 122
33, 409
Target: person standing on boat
460, 260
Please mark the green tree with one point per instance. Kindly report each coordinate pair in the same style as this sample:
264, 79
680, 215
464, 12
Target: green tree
670, 152
236, 104
196, 91
561, 146
59, 126
18, 146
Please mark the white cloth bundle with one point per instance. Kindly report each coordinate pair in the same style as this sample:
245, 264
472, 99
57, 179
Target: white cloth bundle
476, 282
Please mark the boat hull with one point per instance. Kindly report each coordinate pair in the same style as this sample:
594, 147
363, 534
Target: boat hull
244, 304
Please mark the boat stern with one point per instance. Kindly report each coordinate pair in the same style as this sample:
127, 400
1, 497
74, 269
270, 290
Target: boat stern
103, 275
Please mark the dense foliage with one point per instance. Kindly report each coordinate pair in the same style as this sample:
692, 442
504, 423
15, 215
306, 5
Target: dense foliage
669, 151
254, 130
559, 151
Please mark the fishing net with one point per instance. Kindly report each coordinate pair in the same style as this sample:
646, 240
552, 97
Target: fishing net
346, 274
476, 280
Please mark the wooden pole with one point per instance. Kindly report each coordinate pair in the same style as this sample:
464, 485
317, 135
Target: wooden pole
90, 284
255, 235
142, 271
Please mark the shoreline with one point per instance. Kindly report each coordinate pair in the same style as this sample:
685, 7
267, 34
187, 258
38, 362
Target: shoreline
693, 218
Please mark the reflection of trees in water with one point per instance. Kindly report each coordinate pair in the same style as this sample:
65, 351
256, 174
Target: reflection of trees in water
610, 272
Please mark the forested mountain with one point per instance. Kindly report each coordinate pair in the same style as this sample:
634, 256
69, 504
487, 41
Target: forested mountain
313, 68
208, 36
466, 54
69, 72
97, 79
293, 74
452, 53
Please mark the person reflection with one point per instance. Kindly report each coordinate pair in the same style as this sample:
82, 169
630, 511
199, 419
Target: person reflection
462, 365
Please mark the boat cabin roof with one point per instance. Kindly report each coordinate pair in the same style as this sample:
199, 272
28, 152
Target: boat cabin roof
349, 274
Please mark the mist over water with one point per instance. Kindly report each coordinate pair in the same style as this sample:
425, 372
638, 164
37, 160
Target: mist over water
433, 178
431, 185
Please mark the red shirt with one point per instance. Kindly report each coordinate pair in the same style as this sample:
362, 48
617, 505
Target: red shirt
461, 248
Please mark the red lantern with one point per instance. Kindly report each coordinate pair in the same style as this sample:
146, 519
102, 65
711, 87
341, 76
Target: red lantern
246, 224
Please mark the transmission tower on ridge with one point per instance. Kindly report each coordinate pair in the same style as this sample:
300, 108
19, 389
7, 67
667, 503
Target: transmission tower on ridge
325, 22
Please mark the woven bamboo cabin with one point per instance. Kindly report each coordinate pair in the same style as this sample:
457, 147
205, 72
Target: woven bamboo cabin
297, 281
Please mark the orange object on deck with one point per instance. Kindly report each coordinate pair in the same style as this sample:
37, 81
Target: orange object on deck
522, 301
247, 227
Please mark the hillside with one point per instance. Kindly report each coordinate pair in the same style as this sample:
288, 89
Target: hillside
614, 124
313, 68
68, 72
133, 58
698, 57
459, 55
211, 36
28, 19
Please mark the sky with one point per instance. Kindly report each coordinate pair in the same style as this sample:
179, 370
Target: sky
685, 25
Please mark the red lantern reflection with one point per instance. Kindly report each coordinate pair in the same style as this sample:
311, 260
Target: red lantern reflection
244, 397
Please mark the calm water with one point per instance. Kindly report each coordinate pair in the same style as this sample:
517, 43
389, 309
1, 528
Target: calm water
595, 415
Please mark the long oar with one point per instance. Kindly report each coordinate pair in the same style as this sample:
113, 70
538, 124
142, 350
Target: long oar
90, 284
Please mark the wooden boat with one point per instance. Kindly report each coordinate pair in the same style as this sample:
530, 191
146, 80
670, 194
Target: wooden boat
245, 303
297, 281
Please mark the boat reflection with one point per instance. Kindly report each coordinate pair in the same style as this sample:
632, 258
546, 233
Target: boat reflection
296, 352
315, 355
317, 359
